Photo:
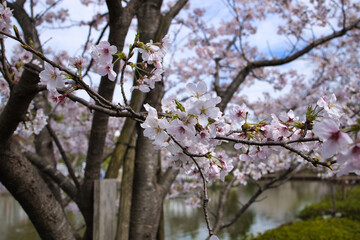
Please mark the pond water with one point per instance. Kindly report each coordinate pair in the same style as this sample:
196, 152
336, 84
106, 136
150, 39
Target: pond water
183, 222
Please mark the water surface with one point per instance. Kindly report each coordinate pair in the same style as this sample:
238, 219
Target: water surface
182, 222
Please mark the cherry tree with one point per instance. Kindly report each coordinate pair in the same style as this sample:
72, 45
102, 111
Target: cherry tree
182, 103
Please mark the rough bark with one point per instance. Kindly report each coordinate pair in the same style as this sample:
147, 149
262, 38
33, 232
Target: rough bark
146, 207
124, 138
18, 175
148, 191
126, 192
18, 103
24, 182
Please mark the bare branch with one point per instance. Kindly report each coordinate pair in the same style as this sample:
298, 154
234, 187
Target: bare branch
205, 198
6, 73
63, 155
40, 15
124, 112
254, 197
63, 182
89, 34
167, 18
243, 73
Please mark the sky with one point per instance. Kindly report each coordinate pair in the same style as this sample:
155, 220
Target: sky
72, 39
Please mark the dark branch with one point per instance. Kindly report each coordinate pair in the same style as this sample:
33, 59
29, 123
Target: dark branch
63, 155
284, 145
63, 182
260, 190
244, 72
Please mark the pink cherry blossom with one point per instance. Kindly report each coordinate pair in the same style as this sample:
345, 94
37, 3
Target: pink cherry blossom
350, 160
106, 69
51, 77
5, 18
287, 117
40, 121
238, 113
180, 131
197, 90
78, 62
102, 53
205, 110
334, 139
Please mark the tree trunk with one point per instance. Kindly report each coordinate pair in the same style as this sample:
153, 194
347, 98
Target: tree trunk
126, 192
24, 182
150, 186
119, 22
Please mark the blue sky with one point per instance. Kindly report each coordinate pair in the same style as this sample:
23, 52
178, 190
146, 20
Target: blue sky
72, 39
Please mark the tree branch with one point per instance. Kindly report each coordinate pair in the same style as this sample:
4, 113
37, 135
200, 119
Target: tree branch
260, 190
205, 198
19, 101
165, 21
282, 144
53, 173
63, 155
243, 73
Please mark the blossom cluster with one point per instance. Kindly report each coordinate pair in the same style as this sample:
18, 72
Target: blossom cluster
103, 57
188, 130
5, 18
35, 122
192, 129
152, 53
336, 140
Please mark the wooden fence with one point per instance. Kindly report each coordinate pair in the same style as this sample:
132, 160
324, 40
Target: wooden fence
105, 209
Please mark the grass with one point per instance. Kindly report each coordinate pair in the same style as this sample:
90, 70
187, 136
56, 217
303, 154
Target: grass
315, 226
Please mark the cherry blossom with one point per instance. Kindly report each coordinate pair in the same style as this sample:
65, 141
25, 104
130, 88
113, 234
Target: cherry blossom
78, 62
51, 77
198, 90
5, 18
106, 69
154, 127
152, 53
40, 121
238, 113
190, 130
205, 110
334, 139
350, 159
102, 53
330, 106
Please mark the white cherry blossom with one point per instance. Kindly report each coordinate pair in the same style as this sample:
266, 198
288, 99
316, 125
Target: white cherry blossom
330, 106
51, 77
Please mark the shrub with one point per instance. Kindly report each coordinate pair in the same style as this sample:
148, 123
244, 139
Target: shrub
317, 229
348, 207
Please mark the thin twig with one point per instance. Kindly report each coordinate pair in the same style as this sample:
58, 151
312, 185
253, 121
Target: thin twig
281, 144
7, 75
205, 198
254, 197
63, 155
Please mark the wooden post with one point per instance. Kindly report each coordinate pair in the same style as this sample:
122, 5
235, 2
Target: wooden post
123, 228
105, 209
